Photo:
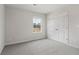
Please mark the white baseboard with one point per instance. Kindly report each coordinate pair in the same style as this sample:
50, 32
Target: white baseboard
23, 41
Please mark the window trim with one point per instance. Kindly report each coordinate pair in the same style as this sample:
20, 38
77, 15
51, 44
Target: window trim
37, 17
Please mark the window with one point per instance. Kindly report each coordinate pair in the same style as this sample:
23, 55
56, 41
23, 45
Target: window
37, 24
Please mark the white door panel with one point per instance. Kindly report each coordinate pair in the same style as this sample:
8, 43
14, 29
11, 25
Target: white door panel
57, 28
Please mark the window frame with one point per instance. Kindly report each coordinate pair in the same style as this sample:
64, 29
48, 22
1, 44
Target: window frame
37, 17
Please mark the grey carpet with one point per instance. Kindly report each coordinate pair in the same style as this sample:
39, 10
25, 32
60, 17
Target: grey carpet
40, 47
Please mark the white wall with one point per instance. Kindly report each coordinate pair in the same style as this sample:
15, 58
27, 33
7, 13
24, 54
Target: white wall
74, 25
19, 26
57, 25
2, 27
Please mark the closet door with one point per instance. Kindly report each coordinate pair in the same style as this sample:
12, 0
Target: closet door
58, 28
62, 28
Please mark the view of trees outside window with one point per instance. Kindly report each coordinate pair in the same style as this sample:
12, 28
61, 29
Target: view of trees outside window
37, 22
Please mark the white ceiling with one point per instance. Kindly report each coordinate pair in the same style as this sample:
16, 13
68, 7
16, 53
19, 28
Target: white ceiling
40, 8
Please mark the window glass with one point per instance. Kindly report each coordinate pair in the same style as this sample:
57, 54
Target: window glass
37, 24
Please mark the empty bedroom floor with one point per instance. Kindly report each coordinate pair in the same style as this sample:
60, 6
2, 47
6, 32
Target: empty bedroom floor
40, 47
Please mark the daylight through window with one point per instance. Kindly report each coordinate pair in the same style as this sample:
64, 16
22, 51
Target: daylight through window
37, 24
